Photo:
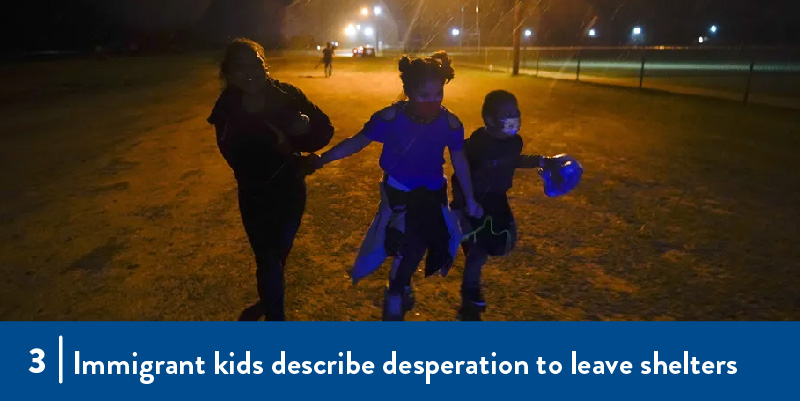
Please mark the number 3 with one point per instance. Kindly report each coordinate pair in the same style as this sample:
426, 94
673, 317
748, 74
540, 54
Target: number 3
38, 361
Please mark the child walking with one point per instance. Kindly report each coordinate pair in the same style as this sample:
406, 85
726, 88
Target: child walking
413, 217
494, 152
262, 125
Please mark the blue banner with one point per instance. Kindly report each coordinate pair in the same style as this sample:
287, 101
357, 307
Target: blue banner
381, 361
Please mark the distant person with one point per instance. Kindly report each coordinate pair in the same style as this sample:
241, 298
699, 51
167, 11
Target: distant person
327, 59
413, 216
262, 125
494, 152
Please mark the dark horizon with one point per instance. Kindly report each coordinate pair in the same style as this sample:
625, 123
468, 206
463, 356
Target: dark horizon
84, 24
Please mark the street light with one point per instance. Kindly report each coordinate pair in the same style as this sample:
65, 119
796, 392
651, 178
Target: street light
592, 33
456, 32
637, 31
377, 11
350, 30
701, 39
713, 29
528, 33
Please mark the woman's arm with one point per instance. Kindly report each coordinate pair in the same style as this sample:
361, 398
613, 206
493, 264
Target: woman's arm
461, 167
317, 130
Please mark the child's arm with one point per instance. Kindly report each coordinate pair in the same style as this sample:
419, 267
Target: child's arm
375, 129
345, 148
461, 167
530, 161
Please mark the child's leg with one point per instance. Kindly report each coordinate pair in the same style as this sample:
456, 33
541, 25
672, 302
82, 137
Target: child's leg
471, 284
408, 291
472, 303
398, 296
411, 253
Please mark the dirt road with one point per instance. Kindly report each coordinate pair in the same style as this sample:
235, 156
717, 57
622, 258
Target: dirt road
116, 204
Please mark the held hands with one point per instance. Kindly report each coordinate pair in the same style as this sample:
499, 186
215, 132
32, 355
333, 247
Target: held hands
307, 165
474, 209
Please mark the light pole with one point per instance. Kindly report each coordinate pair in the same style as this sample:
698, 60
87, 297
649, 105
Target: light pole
478, 22
528, 34
377, 11
461, 39
372, 31
516, 38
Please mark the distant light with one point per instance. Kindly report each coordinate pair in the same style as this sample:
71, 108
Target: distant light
455, 32
369, 31
319, 47
637, 30
701, 39
364, 11
377, 10
528, 32
358, 27
336, 43
350, 30
592, 32
713, 29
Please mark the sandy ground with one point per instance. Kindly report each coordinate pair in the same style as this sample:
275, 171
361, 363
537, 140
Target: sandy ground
116, 204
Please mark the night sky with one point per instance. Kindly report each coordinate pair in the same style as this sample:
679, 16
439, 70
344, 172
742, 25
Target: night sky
83, 24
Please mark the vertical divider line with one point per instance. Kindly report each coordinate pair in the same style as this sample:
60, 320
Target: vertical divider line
60, 359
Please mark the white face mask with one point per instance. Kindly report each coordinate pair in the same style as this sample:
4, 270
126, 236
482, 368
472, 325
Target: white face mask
511, 126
